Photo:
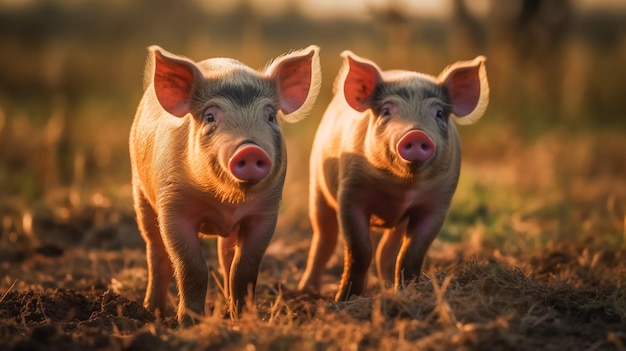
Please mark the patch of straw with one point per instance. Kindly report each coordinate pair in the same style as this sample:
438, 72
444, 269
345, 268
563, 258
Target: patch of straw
8, 290
442, 308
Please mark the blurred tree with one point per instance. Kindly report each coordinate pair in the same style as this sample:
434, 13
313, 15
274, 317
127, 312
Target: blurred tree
396, 24
468, 32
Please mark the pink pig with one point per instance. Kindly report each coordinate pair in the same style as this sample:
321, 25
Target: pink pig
386, 154
208, 157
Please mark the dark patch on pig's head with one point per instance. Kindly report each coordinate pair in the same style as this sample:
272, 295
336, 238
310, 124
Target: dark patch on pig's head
233, 81
408, 90
242, 95
241, 87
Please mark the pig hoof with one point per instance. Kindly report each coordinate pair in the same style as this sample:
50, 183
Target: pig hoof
416, 146
250, 163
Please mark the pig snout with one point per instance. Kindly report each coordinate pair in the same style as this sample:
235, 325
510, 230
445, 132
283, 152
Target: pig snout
249, 163
416, 146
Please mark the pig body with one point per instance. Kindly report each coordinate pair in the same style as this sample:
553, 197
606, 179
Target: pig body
386, 154
208, 157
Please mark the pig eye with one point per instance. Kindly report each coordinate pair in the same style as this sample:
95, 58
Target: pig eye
270, 114
209, 118
209, 114
439, 114
385, 112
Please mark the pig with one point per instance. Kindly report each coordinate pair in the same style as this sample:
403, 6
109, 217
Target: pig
208, 158
386, 155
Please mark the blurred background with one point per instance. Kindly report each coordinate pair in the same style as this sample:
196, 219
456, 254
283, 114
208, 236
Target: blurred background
71, 77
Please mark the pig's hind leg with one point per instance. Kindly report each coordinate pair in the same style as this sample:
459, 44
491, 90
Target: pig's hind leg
325, 230
159, 266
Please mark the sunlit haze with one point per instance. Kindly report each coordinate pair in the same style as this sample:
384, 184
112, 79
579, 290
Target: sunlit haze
363, 9
344, 9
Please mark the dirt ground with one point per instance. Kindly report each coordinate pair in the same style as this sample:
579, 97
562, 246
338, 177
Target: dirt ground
518, 266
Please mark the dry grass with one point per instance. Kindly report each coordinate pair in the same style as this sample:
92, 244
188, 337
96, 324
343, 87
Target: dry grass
520, 264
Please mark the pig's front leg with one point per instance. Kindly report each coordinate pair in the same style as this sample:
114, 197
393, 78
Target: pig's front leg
190, 269
422, 229
254, 236
354, 225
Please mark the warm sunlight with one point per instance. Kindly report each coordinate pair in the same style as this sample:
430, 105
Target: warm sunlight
307, 175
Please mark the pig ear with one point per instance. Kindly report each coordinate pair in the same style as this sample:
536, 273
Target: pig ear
361, 79
468, 89
173, 79
298, 78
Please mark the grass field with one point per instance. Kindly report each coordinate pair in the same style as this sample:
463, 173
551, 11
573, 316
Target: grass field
532, 255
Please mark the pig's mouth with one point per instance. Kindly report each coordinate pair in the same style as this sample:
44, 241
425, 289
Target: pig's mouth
247, 184
414, 167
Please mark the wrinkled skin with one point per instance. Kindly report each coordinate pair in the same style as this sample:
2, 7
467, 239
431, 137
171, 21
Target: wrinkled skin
208, 157
386, 154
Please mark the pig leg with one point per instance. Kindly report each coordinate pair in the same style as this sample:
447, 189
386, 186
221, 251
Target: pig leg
354, 224
254, 236
191, 272
325, 230
159, 266
225, 254
421, 231
387, 251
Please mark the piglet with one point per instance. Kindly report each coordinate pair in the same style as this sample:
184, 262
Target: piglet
386, 154
208, 157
